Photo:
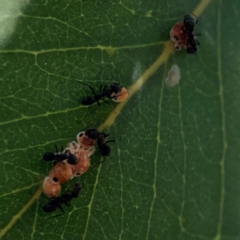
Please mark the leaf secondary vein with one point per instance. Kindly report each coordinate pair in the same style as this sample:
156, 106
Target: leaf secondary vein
158, 138
221, 96
99, 47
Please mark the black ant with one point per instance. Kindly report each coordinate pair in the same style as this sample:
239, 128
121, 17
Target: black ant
189, 22
192, 43
59, 157
63, 199
94, 134
105, 150
105, 92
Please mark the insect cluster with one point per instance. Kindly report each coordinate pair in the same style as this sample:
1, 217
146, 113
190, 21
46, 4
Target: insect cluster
74, 160
182, 34
115, 92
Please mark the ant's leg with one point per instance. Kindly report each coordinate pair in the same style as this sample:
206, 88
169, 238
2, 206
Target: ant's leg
110, 141
56, 148
92, 90
67, 204
88, 86
198, 43
104, 159
93, 111
56, 155
99, 163
105, 101
106, 135
105, 88
100, 88
60, 207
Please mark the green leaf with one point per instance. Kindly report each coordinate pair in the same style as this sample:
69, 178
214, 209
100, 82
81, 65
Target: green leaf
173, 171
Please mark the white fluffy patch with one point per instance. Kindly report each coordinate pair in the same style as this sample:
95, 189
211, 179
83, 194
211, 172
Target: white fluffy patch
174, 76
137, 73
9, 12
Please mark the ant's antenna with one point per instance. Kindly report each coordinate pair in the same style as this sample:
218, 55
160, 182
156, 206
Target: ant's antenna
104, 159
56, 148
110, 141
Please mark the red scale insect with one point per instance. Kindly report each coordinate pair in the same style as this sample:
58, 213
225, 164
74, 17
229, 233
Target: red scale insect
60, 173
182, 34
179, 35
84, 141
83, 155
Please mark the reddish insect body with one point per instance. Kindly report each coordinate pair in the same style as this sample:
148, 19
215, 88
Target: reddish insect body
82, 153
62, 171
83, 164
51, 187
84, 141
179, 35
182, 34
120, 96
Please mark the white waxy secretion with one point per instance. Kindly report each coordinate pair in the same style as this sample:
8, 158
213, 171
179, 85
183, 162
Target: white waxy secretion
174, 76
9, 12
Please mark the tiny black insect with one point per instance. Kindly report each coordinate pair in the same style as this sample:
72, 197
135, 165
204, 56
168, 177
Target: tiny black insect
93, 133
104, 92
100, 137
114, 88
192, 43
63, 199
189, 22
59, 157
105, 150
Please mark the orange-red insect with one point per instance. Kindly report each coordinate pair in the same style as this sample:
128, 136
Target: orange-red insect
179, 35
182, 34
63, 171
60, 173
120, 96
83, 164
84, 141
83, 155
51, 187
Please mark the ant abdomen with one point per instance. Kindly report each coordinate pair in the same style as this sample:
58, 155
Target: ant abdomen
88, 100
49, 156
104, 150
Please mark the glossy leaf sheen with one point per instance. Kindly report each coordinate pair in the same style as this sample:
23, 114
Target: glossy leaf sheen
173, 171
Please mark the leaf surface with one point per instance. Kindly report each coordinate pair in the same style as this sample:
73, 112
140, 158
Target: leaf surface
173, 171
